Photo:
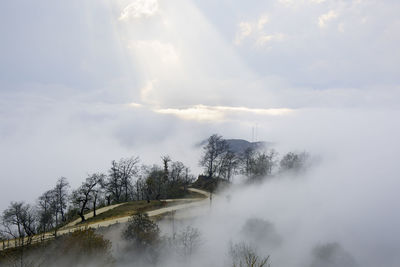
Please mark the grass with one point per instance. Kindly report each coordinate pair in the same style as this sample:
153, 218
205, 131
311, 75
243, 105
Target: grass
135, 207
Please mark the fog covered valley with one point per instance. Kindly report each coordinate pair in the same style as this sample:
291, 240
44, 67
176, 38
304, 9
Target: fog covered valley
199, 133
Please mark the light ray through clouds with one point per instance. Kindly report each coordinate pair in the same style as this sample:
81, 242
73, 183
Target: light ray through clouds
186, 64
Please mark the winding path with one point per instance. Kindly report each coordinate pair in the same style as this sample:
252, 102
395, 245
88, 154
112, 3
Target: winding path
73, 226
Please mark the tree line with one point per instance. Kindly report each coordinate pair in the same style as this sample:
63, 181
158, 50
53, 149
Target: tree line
220, 162
126, 180
129, 180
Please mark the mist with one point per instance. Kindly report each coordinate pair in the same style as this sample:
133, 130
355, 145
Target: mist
86, 83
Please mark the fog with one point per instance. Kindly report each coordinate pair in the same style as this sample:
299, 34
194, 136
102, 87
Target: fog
341, 212
86, 83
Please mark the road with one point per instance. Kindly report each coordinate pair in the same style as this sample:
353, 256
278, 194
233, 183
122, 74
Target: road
73, 226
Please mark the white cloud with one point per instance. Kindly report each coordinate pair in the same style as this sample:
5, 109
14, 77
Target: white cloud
317, 1
220, 113
139, 9
255, 31
262, 21
245, 29
266, 39
325, 18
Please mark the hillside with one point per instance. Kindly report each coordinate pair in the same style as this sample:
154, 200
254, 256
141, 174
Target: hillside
238, 146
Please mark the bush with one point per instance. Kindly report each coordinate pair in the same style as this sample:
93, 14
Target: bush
141, 231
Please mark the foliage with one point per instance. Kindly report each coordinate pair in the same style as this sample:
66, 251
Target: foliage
294, 161
141, 232
80, 248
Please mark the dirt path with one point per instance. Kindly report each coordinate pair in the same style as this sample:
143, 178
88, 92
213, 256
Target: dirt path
71, 227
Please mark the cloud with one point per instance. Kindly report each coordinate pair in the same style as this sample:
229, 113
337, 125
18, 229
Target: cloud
325, 18
245, 29
262, 21
139, 9
266, 39
254, 30
220, 113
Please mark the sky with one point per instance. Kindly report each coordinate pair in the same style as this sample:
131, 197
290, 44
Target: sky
86, 82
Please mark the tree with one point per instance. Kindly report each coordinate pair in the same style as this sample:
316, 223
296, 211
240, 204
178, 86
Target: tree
293, 161
45, 206
177, 172
258, 164
243, 255
247, 161
119, 183
127, 169
18, 220
141, 232
114, 183
229, 165
187, 241
61, 196
97, 190
154, 183
214, 152
87, 192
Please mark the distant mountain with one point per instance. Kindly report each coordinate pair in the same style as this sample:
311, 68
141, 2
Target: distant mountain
240, 145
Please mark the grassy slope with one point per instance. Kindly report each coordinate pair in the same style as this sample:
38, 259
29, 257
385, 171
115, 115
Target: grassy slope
134, 207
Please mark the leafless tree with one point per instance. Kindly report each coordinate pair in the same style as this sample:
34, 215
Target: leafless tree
45, 208
61, 196
114, 183
19, 221
87, 192
243, 255
127, 169
177, 171
247, 161
119, 183
187, 241
214, 152
229, 165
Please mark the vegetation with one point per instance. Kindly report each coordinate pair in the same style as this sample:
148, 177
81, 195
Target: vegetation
243, 255
127, 209
138, 189
141, 232
79, 248
221, 163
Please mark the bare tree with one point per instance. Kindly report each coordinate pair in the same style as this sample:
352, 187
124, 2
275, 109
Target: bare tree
187, 241
243, 255
214, 152
247, 161
177, 171
61, 196
18, 221
114, 183
229, 165
97, 190
119, 183
87, 192
127, 169
45, 211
